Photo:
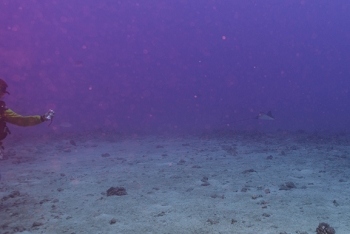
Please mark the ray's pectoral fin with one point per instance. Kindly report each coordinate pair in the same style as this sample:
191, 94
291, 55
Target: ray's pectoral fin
264, 116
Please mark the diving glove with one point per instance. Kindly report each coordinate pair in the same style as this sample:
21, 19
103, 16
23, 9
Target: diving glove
48, 116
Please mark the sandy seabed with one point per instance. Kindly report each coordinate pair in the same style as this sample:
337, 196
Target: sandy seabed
222, 182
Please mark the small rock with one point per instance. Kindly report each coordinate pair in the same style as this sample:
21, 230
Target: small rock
37, 224
248, 171
19, 229
160, 214
256, 196
324, 228
118, 191
287, 186
244, 190
181, 162
204, 179
335, 203
233, 221
290, 185
14, 194
211, 222
112, 221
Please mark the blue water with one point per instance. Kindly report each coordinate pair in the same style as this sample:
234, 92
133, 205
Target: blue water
178, 65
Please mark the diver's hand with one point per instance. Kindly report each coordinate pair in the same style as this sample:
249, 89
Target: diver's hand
48, 116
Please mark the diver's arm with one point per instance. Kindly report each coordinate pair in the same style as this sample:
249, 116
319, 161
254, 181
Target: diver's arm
23, 121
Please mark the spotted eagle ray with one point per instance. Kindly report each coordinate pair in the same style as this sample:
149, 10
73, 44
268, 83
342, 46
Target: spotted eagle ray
264, 116
261, 116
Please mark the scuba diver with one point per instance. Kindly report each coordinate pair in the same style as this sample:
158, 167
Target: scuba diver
8, 116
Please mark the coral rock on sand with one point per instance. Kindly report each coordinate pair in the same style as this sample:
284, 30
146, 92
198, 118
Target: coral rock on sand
324, 228
118, 191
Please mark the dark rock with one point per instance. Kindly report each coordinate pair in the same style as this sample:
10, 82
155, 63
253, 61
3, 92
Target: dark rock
204, 179
37, 224
324, 228
335, 203
244, 190
11, 195
44, 201
189, 190
19, 229
105, 155
15, 194
112, 221
181, 162
231, 150
160, 214
290, 185
287, 186
248, 171
212, 222
217, 196
256, 196
72, 142
118, 191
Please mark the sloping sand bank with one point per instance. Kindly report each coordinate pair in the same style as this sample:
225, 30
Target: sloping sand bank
224, 182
